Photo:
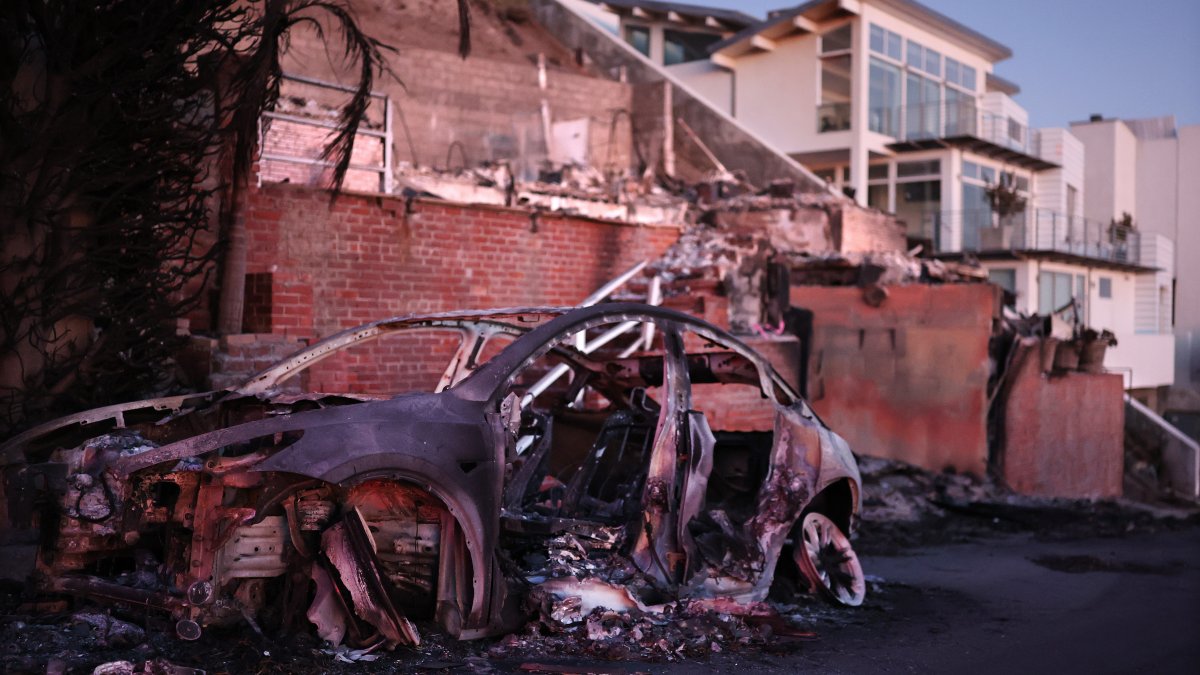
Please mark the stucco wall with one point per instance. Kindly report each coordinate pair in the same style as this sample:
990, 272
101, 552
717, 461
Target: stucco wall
1111, 169
1050, 186
1187, 243
713, 83
777, 94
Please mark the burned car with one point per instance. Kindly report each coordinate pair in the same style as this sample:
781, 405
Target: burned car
566, 453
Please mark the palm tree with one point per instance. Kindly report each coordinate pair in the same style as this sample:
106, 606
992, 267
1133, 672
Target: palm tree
127, 129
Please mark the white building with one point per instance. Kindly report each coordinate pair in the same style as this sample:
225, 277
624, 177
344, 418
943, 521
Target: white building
900, 106
1150, 169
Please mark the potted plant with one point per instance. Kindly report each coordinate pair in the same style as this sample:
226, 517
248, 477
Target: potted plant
1006, 201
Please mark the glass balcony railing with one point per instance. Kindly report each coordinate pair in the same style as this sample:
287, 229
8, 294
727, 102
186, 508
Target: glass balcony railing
833, 117
948, 119
981, 230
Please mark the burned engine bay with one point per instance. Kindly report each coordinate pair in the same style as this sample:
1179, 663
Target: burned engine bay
545, 476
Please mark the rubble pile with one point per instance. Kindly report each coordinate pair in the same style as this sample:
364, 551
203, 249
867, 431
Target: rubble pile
681, 630
905, 506
567, 189
711, 250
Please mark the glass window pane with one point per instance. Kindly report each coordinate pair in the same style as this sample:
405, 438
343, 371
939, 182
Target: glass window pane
933, 107
839, 39
1004, 278
988, 174
1045, 292
977, 214
970, 170
877, 38
894, 46
1105, 287
877, 171
933, 63
639, 37
968, 77
835, 79
916, 55
960, 113
929, 167
877, 197
682, 47
1062, 290
834, 112
1080, 296
914, 111
952, 74
884, 98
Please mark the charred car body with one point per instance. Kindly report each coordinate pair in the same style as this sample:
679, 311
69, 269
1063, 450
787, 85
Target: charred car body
566, 445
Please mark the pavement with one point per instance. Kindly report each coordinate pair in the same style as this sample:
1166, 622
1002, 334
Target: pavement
1015, 603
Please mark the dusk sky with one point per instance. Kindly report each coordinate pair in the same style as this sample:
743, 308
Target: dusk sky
1073, 58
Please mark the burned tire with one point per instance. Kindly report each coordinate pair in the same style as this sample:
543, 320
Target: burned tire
825, 557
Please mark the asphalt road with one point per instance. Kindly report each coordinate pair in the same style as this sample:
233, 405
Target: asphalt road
1014, 604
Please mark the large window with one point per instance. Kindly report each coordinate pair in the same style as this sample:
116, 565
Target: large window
1004, 277
919, 199
936, 93
884, 94
639, 38
834, 112
924, 59
960, 74
1057, 289
923, 116
885, 42
682, 47
836, 40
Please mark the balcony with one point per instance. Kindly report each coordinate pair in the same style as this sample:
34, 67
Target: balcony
962, 124
1033, 230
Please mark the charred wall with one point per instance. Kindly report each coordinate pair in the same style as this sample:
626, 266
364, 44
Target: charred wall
1063, 432
906, 380
488, 108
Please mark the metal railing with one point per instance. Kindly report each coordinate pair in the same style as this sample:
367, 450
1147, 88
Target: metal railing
271, 153
1032, 229
945, 119
833, 117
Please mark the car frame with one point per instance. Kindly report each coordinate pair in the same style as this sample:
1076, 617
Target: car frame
316, 481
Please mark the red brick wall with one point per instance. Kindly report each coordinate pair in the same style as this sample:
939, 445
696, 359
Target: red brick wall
366, 258
906, 380
1063, 434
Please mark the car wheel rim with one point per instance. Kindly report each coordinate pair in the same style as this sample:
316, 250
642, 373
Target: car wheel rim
825, 556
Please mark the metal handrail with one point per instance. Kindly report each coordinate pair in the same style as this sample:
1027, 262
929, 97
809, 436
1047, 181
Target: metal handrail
385, 135
1031, 229
944, 119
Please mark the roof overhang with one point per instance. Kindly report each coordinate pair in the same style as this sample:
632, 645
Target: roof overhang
994, 82
969, 38
796, 21
806, 17
723, 20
